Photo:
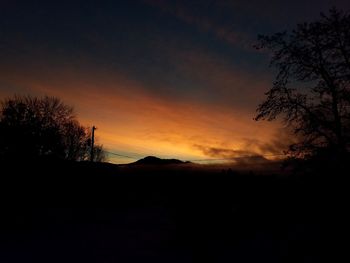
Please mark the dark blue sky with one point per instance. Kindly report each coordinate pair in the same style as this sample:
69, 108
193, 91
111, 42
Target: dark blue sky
195, 53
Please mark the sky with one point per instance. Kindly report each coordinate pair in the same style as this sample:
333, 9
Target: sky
173, 79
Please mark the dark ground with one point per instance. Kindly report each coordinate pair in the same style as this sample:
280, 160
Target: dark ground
82, 212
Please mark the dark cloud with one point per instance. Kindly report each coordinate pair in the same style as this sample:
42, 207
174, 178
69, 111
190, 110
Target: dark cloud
222, 152
209, 17
238, 157
241, 160
279, 143
255, 151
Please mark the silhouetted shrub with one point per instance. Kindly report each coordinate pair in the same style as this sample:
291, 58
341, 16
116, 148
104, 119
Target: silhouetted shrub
32, 127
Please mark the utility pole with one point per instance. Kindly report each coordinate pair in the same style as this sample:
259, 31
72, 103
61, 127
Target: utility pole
92, 143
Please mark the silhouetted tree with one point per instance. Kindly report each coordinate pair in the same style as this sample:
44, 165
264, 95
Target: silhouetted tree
99, 154
311, 90
76, 141
33, 127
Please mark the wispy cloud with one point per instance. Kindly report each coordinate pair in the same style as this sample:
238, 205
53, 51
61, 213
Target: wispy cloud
251, 149
238, 157
197, 16
217, 78
131, 118
222, 152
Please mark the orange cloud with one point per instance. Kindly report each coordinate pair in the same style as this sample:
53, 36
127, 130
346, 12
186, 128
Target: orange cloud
131, 119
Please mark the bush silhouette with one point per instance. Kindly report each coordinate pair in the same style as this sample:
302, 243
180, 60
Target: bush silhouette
32, 127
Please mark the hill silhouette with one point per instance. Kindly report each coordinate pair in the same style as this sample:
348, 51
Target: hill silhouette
152, 160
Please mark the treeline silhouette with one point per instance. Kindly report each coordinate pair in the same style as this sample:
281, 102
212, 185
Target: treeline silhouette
43, 127
311, 91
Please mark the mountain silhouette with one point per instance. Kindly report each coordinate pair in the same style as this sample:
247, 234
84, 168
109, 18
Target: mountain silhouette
152, 160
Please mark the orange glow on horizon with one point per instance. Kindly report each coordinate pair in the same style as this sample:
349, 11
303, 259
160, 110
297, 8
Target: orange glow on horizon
130, 119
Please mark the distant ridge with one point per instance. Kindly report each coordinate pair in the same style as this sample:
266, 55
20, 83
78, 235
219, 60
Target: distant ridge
152, 160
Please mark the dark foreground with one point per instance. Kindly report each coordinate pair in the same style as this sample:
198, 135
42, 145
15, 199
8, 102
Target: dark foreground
81, 212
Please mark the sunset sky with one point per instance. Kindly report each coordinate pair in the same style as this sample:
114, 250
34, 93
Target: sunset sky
174, 79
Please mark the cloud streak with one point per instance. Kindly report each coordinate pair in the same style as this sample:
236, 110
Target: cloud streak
130, 118
197, 16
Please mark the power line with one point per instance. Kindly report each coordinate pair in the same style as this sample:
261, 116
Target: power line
208, 159
120, 155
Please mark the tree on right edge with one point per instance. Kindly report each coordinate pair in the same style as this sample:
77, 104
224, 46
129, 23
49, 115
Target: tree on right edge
311, 91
